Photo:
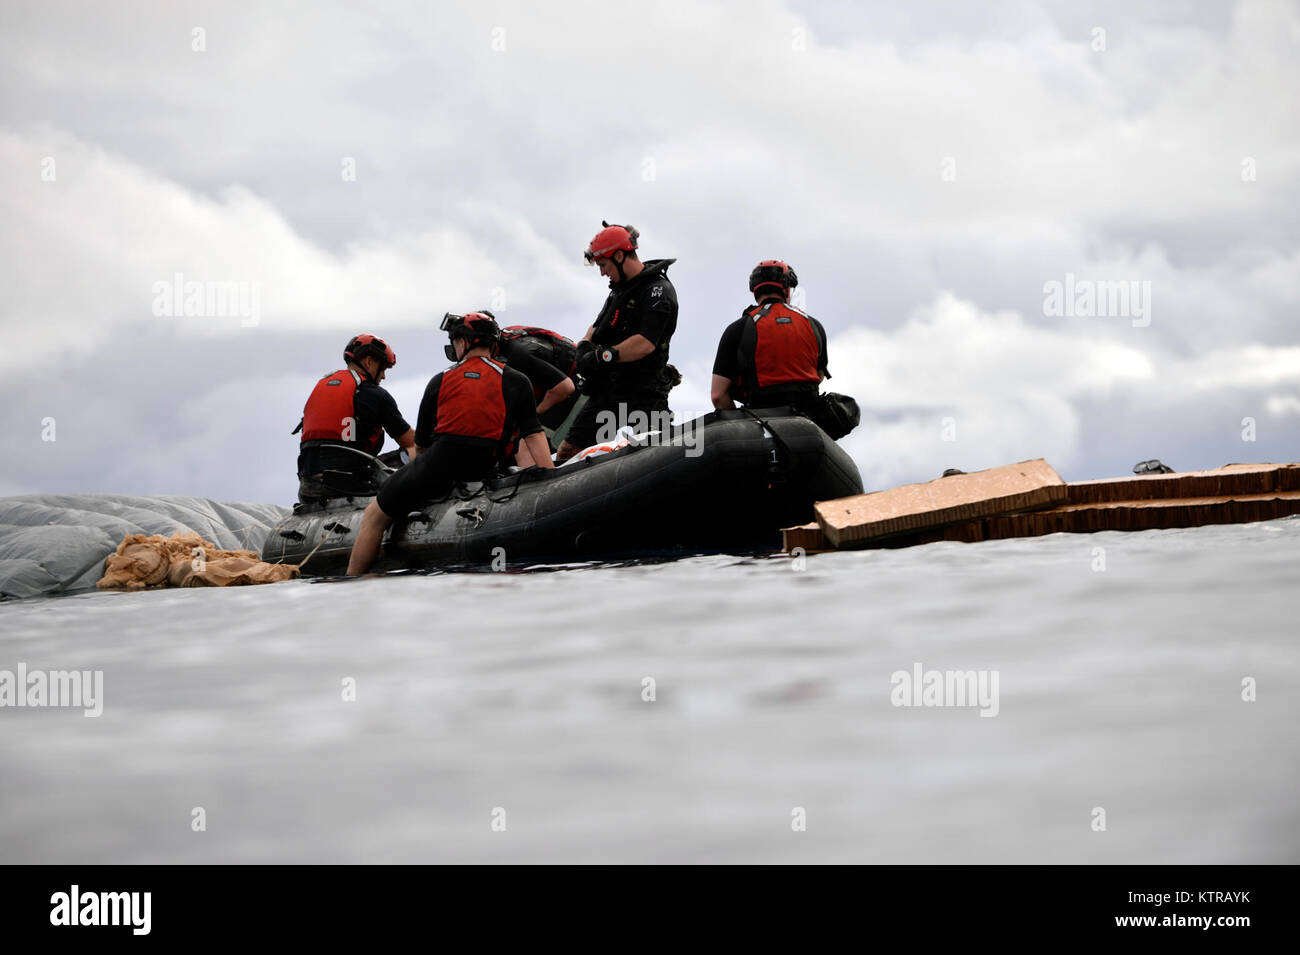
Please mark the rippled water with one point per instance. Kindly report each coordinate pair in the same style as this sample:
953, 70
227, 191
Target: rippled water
1118, 688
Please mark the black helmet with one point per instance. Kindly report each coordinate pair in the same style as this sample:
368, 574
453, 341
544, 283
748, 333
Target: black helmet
476, 328
772, 273
369, 346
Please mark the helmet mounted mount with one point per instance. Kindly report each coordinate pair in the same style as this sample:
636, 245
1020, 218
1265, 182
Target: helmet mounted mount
476, 328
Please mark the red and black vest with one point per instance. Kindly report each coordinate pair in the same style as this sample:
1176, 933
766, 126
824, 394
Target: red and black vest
564, 350
472, 401
330, 413
551, 347
779, 345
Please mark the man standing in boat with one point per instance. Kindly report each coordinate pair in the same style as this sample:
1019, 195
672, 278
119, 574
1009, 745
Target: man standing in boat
468, 415
774, 354
348, 412
623, 358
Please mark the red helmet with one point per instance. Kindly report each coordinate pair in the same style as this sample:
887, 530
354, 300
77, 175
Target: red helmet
772, 273
369, 346
611, 239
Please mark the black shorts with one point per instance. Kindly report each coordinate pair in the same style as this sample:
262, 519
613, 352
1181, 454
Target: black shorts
326, 471
589, 427
434, 473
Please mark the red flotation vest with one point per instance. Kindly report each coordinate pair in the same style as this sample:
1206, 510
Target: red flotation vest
330, 413
471, 400
779, 346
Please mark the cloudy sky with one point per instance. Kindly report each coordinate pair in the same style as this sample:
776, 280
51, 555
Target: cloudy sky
930, 171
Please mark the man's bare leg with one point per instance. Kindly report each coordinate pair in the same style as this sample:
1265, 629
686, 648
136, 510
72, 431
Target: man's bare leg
369, 539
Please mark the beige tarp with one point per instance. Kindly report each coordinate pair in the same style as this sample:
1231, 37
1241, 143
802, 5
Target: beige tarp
185, 560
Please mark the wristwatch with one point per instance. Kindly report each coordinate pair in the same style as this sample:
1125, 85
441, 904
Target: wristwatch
607, 355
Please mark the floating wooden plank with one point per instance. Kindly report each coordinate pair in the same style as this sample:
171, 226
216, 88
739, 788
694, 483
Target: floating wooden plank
859, 520
1288, 476
1113, 516
807, 536
968, 532
1146, 515
1221, 482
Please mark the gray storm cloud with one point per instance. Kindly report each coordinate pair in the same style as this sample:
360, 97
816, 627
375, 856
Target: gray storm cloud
927, 172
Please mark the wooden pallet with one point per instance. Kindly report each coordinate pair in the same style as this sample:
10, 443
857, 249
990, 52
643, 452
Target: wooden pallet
863, 519
1029, 500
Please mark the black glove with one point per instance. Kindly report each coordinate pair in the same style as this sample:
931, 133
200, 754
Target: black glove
595, 380
587, 360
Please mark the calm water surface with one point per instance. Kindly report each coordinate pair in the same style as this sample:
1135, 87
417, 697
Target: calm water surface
1118, 688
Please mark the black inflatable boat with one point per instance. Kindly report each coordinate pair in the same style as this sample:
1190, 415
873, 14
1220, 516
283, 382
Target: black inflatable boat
729, 480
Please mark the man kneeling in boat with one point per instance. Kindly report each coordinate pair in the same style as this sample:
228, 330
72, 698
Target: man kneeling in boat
548, 360
774, 354
346, 413
468, 415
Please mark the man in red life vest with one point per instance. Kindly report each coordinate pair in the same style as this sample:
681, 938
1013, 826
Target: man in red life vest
348, 412
774, 354
467, 417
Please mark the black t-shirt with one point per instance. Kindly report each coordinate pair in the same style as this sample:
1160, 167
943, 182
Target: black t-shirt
521, 408
372, 405
726, 363
646, 306
541, 374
